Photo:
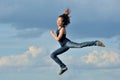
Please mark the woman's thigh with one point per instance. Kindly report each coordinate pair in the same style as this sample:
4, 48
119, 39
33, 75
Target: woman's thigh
60, 50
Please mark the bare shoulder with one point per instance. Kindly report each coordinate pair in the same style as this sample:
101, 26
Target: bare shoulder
63, 30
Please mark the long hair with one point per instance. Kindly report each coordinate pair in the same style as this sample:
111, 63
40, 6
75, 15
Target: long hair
65, 17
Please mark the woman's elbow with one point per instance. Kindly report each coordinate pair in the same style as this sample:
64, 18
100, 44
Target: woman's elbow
57, 39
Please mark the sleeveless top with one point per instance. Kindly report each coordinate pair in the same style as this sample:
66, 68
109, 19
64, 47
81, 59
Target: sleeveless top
63, 39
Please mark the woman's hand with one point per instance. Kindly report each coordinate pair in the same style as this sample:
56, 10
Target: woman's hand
51, 32
54, 36
67, 11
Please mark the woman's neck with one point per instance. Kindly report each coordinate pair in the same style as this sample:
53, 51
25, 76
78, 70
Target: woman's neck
59, 27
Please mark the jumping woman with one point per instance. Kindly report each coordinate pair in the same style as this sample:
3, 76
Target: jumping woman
60, 36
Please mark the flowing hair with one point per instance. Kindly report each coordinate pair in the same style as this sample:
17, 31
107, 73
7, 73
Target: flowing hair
65, 17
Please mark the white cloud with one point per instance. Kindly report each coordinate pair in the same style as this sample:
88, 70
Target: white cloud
23, 59
34, 51
102, 59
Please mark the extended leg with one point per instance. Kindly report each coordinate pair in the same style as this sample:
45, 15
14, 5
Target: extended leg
71, 44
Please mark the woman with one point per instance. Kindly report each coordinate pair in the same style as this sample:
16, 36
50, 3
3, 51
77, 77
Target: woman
62, 22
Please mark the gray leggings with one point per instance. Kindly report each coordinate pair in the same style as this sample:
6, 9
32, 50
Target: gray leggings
67, 46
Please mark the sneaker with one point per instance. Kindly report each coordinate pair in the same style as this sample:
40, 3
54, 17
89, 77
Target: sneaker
99, 43
63, 70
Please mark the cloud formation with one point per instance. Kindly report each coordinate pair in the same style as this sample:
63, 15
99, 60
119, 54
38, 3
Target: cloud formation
36, 57
21, 59
102, 59
96, 59
87, 14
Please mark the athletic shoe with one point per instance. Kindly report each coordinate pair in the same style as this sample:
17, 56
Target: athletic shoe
99, 43
63, 70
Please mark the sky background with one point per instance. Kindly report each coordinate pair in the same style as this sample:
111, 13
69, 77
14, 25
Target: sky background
26, 45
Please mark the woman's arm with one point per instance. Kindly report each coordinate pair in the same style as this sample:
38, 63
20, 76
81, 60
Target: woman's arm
57, 38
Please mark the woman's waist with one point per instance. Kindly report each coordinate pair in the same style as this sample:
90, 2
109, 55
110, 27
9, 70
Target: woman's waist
63, 42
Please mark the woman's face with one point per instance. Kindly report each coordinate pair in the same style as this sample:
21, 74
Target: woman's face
60, 22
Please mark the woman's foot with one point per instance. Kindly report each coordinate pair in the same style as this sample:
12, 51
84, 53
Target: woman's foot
63, 70
99, 43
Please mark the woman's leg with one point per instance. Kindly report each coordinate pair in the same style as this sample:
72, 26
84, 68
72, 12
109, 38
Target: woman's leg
58, 52
71, 44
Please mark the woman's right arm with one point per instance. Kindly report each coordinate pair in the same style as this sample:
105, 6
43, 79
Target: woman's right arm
57, 38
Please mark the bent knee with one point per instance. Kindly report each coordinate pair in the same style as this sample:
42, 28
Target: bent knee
52, 56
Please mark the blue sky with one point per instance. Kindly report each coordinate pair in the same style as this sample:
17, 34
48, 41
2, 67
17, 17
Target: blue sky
26, 45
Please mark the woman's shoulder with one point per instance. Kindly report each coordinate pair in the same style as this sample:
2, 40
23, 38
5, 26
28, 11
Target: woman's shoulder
63, 30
